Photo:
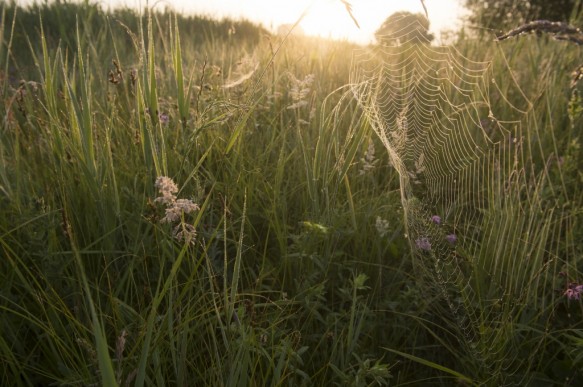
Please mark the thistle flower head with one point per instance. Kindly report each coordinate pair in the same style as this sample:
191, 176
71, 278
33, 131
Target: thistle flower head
423, 244
451, 238
436, 219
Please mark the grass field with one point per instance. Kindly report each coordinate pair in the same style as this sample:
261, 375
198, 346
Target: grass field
194, 202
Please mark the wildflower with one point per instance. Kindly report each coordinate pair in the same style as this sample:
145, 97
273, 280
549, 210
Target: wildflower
164, 118
571, 294
423, 244
176, 209
184, 232
382, 226
436, 219
167, 189
179, 207
451, 238
300, 90
369, 160
574, 292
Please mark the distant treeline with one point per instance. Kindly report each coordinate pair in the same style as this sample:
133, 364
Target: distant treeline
60, 19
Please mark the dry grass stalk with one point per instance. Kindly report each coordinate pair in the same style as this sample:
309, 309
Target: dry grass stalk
559, 30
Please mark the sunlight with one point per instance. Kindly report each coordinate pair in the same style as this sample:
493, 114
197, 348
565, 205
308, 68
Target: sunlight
325, 18
329, 18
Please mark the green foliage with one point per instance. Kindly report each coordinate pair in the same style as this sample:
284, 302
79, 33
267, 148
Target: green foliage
299, 273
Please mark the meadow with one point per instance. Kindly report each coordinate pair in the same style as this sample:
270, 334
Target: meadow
187, 201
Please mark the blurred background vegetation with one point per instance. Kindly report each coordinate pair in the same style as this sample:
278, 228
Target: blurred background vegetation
501, 15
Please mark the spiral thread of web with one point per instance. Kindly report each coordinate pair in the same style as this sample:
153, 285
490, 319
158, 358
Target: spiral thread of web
476, 223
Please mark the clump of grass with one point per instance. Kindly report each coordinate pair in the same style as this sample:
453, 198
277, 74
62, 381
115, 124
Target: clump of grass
298, 273
107, 291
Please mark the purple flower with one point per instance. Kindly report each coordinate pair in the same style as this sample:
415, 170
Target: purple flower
436, 219
451, 238
572, 294
164, 118
574, 291
423, 244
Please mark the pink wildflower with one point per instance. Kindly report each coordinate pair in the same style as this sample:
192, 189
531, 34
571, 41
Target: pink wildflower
423, 244
574, 292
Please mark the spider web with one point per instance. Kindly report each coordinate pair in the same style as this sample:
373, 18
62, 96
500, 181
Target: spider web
480, 232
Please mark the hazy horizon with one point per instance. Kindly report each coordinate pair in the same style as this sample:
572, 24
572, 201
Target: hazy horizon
326, 18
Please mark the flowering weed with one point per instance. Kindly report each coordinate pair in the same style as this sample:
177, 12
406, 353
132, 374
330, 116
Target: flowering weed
176, 209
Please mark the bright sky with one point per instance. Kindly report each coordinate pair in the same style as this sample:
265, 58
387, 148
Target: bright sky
327, 18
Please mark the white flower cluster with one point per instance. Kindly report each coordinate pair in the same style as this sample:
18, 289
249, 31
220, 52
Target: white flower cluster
184, 232
179, 207
369, 160
167, 189
175, 209
382, 226
299, 90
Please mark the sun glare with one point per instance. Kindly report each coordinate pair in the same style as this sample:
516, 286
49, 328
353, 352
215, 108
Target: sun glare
329, 18
326, 18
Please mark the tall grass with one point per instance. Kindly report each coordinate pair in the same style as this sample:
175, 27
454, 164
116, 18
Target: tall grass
289, 280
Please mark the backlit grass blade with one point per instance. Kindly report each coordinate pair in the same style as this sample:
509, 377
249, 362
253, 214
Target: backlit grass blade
462, 378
